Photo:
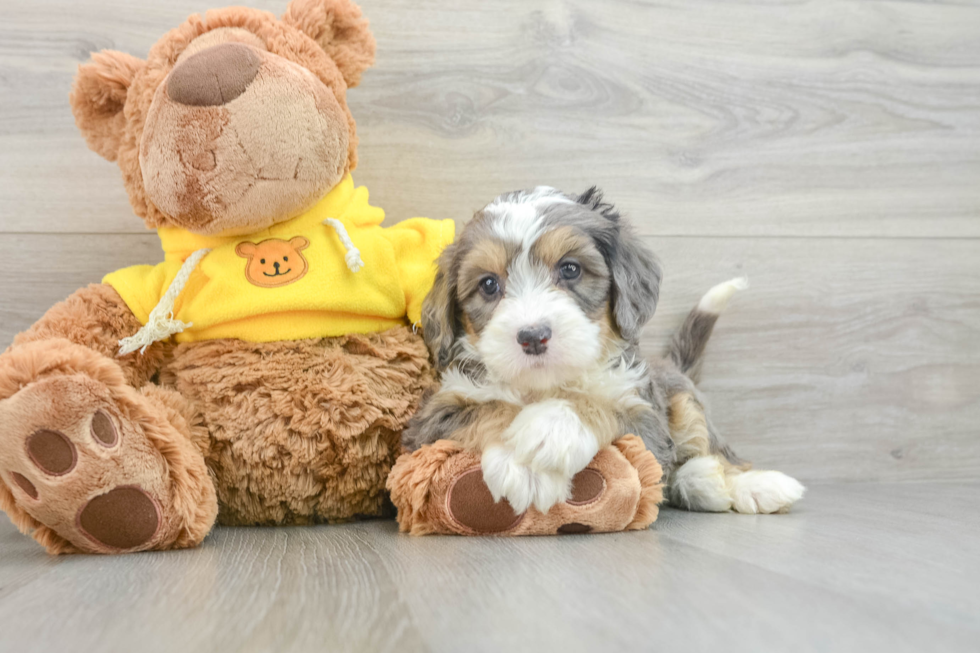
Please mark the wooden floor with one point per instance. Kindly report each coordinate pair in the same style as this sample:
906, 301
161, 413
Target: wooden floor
830, 150
884, 567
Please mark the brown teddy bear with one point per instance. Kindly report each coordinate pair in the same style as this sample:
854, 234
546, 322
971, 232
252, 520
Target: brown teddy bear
263, 372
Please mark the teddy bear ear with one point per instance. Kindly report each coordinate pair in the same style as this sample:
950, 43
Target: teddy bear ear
98, 96
340, 29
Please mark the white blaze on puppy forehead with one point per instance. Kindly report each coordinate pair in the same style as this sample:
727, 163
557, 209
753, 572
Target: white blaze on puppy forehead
518, 215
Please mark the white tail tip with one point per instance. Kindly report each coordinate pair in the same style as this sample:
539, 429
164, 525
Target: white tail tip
716, 299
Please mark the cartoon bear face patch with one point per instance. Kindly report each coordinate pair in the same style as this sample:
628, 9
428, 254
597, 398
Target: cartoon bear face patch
274, 262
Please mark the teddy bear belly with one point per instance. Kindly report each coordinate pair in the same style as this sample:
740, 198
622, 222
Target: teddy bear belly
303, 431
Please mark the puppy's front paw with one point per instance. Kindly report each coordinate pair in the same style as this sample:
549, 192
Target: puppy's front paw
550, 438
520, 484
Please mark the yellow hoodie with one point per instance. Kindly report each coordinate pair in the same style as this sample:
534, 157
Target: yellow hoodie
293, 280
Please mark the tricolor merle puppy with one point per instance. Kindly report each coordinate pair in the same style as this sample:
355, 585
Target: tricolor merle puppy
534, 323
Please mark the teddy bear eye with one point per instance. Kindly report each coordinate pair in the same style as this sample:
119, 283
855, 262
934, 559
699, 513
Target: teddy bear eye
285, 258
262, 261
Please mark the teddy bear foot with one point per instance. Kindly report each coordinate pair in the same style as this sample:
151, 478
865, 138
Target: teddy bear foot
95, 472
440, 489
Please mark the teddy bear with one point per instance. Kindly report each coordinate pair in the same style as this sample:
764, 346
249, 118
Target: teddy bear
262, 374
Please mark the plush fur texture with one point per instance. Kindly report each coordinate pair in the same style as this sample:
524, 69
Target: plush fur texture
303, 431
94, 317
236, 121
534, 322
422, 485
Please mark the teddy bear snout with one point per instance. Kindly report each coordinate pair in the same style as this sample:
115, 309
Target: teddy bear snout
214, 76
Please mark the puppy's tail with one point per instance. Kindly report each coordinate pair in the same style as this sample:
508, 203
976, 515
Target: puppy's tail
687, 346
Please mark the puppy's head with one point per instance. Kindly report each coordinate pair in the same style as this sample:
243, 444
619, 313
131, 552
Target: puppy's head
538, 286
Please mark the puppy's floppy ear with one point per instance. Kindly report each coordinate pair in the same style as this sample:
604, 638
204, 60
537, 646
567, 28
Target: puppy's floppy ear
636, 272
98, 96
340, 29
440, 319
636, 285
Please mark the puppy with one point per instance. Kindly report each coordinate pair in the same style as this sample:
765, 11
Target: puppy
534, 323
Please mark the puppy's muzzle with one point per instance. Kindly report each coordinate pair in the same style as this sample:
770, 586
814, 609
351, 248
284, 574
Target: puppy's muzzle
534, 339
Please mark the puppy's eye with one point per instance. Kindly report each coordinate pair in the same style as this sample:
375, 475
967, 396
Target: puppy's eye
570, 270
489, 286
262, 261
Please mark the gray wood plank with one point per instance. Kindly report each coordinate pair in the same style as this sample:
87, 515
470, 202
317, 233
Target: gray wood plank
44, 269
882, 542
837, 574
846, 360
736, 118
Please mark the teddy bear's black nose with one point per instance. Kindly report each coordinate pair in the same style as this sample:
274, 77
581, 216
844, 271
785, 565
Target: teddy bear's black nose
214, 76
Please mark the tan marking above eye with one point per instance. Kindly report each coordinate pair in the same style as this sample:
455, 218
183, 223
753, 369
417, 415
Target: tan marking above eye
485, 257
552, 246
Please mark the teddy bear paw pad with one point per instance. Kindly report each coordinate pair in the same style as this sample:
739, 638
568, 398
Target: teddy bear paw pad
472, 506
24, 484
122, 518
587, 486
75, 463
103, 430
52, 452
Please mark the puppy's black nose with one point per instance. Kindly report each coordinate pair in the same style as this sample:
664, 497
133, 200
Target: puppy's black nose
534, 340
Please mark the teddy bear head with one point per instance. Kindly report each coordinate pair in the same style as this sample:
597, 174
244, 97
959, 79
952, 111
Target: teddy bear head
236, 120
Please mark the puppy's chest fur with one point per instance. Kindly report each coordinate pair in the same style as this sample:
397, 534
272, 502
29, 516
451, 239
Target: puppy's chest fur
605, 398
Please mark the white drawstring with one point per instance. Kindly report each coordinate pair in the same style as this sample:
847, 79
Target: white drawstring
161, 323
353, 257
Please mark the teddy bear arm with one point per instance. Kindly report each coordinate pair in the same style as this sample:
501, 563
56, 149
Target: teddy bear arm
96, 317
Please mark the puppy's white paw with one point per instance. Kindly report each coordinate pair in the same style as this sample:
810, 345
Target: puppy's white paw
764, 492
700, 484
543, 449
550, 438
519, 484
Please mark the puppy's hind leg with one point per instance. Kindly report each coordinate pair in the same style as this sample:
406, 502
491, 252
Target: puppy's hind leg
700, 479
708, 475
710, 478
